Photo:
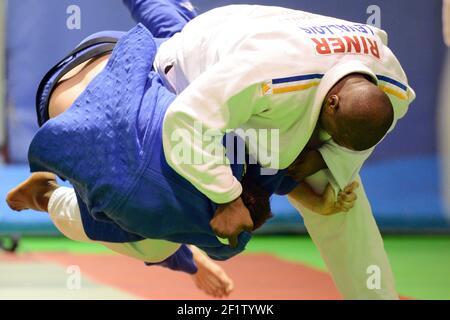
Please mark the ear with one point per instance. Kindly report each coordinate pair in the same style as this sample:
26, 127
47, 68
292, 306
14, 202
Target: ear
333, 102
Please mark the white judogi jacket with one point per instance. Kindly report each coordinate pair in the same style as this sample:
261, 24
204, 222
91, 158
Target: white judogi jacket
259, 67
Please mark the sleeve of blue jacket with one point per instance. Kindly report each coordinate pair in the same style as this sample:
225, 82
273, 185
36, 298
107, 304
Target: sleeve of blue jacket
163, 18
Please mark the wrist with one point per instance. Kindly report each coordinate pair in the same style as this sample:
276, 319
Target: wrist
319, 207
228, 197
235, 202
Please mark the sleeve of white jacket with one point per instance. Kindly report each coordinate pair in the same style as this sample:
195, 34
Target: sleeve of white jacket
224, 97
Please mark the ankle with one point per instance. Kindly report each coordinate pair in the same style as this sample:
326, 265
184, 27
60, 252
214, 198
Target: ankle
42, 197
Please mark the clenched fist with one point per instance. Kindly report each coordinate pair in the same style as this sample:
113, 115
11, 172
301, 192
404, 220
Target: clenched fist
230, 220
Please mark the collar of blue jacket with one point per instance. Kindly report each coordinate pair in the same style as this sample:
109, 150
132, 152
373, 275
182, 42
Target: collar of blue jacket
94, 46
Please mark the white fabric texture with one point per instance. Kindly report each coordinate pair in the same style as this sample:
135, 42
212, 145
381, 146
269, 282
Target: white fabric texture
351, 246
222, 61
226, 64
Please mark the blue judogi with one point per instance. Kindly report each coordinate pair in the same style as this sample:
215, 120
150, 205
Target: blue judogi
163, 18
109, 146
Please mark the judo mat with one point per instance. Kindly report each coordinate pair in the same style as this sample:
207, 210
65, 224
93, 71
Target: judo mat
273, 267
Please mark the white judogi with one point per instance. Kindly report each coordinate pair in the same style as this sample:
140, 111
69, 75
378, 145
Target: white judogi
257, 67
270, 68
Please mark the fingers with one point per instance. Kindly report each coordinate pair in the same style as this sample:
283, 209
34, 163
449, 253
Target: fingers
345, 206
249, 226
347, 197
351, 187
229, 288
346, 201
231, 236
230, 220
233, 241
222, 235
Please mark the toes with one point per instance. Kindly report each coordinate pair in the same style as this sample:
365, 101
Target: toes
14, 199
207, 286
230, 287
16, 206
201, 285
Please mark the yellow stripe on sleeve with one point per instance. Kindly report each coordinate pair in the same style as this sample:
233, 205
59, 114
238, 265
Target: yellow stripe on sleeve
393, 92
294, 88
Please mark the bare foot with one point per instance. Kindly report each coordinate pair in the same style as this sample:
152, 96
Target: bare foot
211, 278
33, 193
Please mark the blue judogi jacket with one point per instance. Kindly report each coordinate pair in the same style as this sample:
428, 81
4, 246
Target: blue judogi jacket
108, 145
163, 18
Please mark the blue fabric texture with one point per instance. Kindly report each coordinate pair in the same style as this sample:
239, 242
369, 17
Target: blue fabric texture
105, 230
279, 183
163, 18
108, 145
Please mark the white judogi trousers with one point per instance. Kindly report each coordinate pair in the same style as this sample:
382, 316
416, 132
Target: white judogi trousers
351, 246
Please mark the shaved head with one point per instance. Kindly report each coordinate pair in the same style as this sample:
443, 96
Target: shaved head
356, 113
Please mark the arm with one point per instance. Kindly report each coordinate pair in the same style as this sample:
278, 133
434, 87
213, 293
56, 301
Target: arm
307, 163
324, 204
223, 98
310, 161
163, 18
195, 124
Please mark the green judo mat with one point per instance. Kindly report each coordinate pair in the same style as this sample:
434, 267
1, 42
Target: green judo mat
421, 264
